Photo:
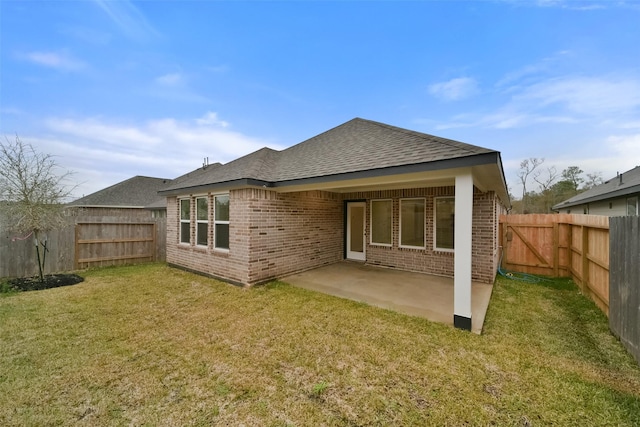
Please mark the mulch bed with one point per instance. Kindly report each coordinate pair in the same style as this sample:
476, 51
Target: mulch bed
50, 281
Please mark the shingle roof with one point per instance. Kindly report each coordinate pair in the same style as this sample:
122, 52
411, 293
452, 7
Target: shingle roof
622, 185
136, 192
357, 145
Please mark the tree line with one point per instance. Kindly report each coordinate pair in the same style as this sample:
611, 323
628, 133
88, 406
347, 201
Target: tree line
543, 187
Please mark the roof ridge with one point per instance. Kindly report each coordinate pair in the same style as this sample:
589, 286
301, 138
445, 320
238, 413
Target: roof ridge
440, 139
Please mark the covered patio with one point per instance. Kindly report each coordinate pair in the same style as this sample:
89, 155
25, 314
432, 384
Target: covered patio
415, 294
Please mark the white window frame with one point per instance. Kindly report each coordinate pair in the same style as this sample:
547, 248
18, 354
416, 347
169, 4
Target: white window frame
435, 224
635, 200
202, 221
184, 221
216, 221
424, 226
390, 223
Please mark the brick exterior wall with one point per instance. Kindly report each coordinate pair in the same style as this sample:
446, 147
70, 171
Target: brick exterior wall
292, 232
275, 234
271, 235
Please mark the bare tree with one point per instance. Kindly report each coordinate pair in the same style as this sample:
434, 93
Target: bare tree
545, 182
527, 167
32, 192
593, 179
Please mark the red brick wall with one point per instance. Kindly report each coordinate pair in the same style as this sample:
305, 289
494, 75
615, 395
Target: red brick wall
429, 260
291, 232
275, 234
271, 235
484, 244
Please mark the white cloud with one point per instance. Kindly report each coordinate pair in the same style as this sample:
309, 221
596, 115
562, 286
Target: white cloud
129, 18
454, 89
585, 95
211, 118
62, 61
171, 79
102, 150
611, 101
175, 87
627, 146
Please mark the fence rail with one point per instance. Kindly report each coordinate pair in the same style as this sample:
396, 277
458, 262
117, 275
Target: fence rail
561, 245
86, 242
113, 243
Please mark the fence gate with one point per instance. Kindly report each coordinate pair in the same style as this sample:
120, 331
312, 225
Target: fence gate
100, 244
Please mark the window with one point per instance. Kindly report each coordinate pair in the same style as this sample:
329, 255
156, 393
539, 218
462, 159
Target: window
381, 218
221, 222
632, 206
445, 219
412, 223
185, 221
202, 221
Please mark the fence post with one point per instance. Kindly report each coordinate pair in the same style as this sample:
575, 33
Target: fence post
585, 259
556, 249
75, 246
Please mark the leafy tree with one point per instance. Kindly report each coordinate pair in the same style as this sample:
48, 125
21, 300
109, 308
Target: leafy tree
551, 190
572, 174
32, 193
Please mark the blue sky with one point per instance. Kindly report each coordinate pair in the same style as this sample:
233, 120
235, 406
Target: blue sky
122, 88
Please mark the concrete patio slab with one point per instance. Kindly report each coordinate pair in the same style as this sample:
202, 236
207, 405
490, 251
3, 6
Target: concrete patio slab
415, 294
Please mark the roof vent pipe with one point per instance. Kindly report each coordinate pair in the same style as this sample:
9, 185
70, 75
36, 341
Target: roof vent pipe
620, 179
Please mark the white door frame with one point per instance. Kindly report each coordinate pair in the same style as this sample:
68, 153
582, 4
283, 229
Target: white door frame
358, 256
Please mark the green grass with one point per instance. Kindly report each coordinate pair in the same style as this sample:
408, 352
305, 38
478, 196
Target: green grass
150, 345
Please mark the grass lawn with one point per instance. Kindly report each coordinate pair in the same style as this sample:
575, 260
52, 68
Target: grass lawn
150, 345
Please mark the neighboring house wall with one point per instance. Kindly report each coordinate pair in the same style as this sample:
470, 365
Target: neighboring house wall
621, 206
275, 234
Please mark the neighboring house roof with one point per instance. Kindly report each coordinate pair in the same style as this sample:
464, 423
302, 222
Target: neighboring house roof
624, 184
136, 192
356, 149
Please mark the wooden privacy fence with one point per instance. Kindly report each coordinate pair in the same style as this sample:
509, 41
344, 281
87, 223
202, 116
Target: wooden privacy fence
18, 254
624, 312
86, 242
560, 245
100, 244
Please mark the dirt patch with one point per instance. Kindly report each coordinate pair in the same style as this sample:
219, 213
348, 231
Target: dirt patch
50, 281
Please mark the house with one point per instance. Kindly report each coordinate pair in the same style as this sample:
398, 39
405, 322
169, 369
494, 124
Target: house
135, 197
615, 197
363, 191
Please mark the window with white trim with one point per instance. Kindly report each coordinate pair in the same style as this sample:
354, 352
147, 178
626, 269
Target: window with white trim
221, 221
412, 222
202, 221
185, 221
381, 221
632, 206
444, 223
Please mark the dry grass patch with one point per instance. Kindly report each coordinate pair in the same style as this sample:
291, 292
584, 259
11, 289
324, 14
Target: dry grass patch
150, 345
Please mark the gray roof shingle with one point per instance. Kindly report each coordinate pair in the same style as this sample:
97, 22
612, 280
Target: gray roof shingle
357, 145
622, 185
138, 192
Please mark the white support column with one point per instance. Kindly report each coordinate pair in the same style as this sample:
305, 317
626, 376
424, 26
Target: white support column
462, 259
